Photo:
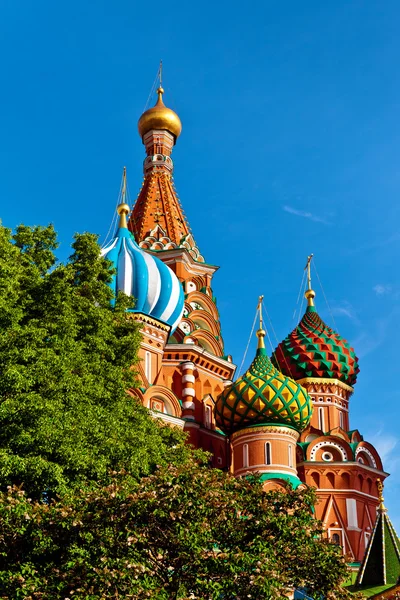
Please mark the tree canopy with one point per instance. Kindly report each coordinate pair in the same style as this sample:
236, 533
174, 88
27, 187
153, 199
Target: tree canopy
183, 532
66, 358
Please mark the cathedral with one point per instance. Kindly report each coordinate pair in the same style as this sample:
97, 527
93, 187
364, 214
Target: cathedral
287, 417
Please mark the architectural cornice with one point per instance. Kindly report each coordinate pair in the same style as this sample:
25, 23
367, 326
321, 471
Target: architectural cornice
325, 381
149, 320
341, 464
266, 429
195, 352
182, 255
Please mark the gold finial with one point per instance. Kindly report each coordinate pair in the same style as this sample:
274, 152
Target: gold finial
261, 332
159, 116
123, 208
381, 499
160, 89
309, 294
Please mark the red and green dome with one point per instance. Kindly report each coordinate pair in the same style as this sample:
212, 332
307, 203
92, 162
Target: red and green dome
263, 395
314, 350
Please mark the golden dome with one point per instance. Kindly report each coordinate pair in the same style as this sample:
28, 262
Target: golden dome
160, 117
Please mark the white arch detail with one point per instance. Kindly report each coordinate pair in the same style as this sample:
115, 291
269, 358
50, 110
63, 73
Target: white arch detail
328, 444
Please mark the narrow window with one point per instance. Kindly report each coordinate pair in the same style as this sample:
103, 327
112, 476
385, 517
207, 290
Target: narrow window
321, 419
208, 417
290, 456
341, 420
352, 518
267, 453
245, 455
147, 366
336, 539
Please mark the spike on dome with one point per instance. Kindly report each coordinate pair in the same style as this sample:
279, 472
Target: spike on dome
263, 395
160, 117
157, 291
313, 349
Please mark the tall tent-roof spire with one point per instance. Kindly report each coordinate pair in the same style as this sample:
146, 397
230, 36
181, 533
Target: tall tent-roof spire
381, 564
158, 221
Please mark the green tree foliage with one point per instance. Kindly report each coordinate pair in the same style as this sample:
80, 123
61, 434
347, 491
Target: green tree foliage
65, 365
182, 532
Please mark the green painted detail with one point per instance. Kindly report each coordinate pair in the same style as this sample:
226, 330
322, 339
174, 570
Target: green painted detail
263, 395
292, 479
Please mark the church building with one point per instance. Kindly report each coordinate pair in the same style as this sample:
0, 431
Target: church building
287, 417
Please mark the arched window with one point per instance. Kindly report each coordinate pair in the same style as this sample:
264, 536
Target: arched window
147, 366
245, 455
336, 539
290, 456
321, 419
267, 453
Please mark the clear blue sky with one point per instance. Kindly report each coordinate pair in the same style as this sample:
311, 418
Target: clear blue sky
290, 145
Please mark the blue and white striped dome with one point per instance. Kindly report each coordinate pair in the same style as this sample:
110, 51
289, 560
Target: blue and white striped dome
156, 288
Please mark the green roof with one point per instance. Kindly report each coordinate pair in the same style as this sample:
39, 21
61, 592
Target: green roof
292, 479
381, 564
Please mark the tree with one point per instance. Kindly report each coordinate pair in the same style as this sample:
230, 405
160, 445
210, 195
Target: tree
183, 532
66, 358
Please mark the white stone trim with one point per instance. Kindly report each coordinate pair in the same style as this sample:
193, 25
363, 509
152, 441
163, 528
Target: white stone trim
188, 392
187, 365
368, 453
168, 418
328, 443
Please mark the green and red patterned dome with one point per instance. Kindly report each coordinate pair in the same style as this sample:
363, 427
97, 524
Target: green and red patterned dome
314, 350
263, 395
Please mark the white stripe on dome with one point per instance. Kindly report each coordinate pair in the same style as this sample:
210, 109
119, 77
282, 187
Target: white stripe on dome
154, 283
176, 323
107, 249
173, 298
125, 271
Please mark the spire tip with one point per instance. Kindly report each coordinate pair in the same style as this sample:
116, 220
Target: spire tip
309, 294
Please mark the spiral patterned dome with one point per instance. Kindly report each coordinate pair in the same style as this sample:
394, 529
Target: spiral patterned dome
314, 350
263, 395
156, 288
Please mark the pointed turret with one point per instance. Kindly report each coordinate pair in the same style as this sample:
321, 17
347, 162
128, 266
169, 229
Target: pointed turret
381, 564
157, 220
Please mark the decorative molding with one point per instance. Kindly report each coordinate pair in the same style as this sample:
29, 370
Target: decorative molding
137, 316
266, 429
325, 382
368, 453
328, 443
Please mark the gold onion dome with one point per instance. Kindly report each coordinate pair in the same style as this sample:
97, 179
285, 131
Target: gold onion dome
262, 396
160, 117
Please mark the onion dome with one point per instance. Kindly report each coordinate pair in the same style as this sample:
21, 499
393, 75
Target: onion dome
160, 117
156, 288
314, 350
263, 396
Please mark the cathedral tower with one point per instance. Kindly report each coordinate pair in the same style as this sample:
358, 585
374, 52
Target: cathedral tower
264, 412
331, 456
193, 366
